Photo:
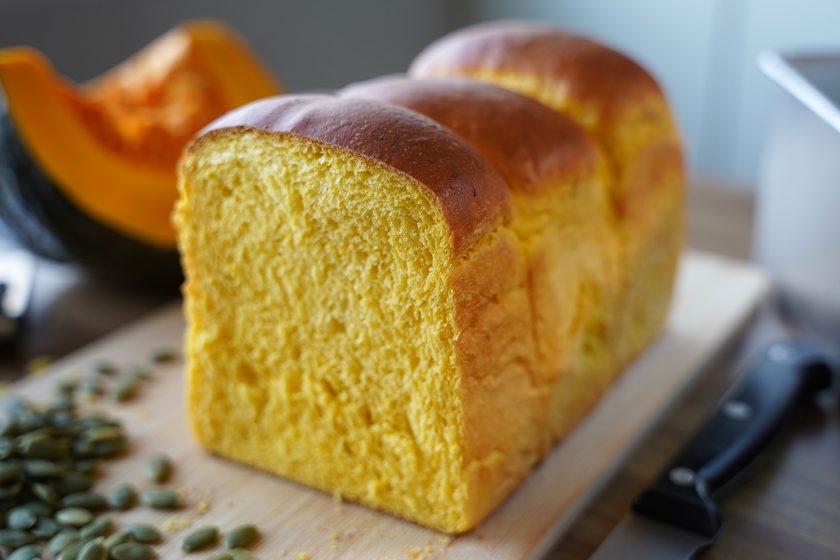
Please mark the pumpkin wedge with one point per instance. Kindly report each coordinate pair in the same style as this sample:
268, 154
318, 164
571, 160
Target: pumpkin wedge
89, 172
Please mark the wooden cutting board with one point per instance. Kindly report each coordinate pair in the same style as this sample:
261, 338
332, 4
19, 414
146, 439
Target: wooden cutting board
714, 299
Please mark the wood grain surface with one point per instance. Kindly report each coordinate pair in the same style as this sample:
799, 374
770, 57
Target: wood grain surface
715, 298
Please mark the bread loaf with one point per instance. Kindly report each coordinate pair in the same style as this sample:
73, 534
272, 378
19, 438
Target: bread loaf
625, 111
404, 295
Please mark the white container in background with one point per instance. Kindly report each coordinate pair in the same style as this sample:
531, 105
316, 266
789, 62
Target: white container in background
798, 214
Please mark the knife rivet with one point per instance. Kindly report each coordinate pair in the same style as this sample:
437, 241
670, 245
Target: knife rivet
681, 476
737, 410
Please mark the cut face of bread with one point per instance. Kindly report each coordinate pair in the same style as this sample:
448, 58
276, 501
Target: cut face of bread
358, 315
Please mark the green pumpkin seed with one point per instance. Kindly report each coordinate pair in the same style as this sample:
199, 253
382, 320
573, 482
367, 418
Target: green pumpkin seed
99, 527
93, 550
225, 555
88, 466
62, 539
39, 468
45, 493
123, 497
101, 434
200, 539
105, 368
87, 500
28, 552
161, 498
164, 356
44, 447
7, 448
73, 482
159, 468
242, 536
145, 534
71, 552
240, 554
21, 518
117, 538
133, 551
45, 528
39, 508
15, 538
74, 517
10, 472
126, 390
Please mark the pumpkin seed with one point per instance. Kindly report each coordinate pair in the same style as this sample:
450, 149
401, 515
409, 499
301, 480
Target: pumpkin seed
73, 482
126, 390
240, 554
87, 466
164, 356
45, 528
161, 498
15, 538
71, 552
241, 537
10, 491
117, 538
123, 497
93, 550
105, 368
200, 539
99, 527
39, 468
141, 374
75, 517
87, 500
44, 447
28, 552
102, 434
45, 493
39, 508
21, 518
159, 468
62, 539
145, 534
133, 551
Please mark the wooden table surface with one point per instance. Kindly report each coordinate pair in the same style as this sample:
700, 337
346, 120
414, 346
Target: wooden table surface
788, 508
789, 505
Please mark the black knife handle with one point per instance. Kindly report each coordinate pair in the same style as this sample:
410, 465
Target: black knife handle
743, 423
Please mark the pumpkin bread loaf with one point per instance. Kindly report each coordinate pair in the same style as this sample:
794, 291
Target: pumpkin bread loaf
403, 295
561, 218
625, 111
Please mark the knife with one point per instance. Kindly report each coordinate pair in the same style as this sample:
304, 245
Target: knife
677, 517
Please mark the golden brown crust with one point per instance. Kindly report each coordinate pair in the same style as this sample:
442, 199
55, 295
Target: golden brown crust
527, 142
473, 197
591, 73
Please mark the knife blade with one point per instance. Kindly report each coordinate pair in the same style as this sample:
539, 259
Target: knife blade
677, 517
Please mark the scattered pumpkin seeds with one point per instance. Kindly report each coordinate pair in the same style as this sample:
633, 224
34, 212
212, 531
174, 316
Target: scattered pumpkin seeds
15, 538
133, 551
161, 498
242, 536
159, 468
200, 539
123, 497
145, 534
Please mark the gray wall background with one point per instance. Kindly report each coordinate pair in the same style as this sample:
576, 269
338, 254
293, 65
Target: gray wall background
703, 51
